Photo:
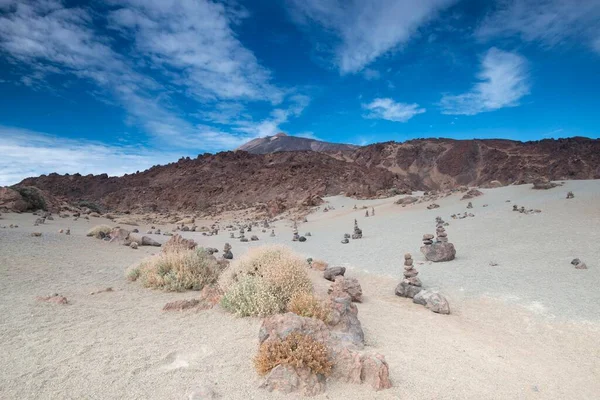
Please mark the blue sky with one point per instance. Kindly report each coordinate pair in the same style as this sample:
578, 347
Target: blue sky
119, 85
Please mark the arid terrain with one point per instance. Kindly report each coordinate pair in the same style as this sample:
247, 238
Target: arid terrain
524, 322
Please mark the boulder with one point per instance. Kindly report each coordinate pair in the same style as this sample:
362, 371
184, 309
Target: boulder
346, 285
433, 301
178, 242
331, 272
471, 194
375, 371
406, 289
344, 325
279, 326
11, 200
120, 236
288, 379
439, 251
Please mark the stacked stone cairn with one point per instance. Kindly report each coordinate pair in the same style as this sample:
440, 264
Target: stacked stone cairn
410, 285
357, 231
367, 213
227, 254
570, 195
372, 211
441, 249
272, 233
470, 205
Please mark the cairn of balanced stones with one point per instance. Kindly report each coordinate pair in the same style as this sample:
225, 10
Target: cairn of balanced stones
372, 212
442, 236
357, 231
227, 254
441, 249
410, 285
296, 236
570, 195
470, 205
367, 213
272, 233
515, 207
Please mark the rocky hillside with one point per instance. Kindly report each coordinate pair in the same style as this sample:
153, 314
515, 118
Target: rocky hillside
447, 163
226, 180
283, 142
279, 180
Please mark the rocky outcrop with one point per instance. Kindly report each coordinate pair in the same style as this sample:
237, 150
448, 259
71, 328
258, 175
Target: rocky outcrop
331, 272
348, 286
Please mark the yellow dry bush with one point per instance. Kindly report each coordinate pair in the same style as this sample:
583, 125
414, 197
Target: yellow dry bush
296, 350
178, 270
307, 305
99, 231
272, 274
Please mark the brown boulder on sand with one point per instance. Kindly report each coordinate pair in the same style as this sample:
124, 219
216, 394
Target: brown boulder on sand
331, 272
346, 285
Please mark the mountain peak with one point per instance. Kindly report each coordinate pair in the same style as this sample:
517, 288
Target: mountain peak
285, 142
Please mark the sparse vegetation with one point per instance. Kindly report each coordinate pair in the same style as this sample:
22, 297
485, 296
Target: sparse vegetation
296, 350
264, 281
307, 305
33, 197
91, 205
99, 231
177, 271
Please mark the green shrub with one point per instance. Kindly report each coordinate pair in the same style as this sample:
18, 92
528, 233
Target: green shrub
252, 296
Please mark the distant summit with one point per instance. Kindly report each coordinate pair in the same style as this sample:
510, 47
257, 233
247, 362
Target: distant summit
284, 142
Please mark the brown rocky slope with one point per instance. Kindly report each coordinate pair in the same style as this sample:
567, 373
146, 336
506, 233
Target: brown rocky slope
446, 163
230, 180
233, 180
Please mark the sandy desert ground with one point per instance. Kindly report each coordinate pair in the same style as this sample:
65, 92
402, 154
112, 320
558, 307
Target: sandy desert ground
526, 328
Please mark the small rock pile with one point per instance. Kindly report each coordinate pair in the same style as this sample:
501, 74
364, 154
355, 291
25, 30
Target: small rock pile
578, 264
410, 285
432, 206
357, 231
470, 205
441, 249
227, 254
570, 195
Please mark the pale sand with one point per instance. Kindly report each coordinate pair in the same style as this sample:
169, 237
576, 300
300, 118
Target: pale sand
528, 328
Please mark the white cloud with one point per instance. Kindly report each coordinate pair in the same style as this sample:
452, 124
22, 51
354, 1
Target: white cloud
189, 47
386, 108
196, 40
366, 29
26, 153
504, 80
549, 22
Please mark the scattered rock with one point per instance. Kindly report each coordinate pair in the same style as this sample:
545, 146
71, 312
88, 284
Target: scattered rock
331, 272
472, 194
433, 301
350, 286
36, 234
133, 245
302, 239
570, 195
106, 290
432, 206
578, 264
54, 299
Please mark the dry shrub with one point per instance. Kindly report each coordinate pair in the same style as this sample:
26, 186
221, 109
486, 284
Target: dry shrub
178, 270
263, 281
252, 296
319, 265
296, 350
99, 231
177, 243
307, 305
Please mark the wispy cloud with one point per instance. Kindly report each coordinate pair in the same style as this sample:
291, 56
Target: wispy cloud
26, 153
165, 51
388, 109
548, 22
365, 30
503, 81
371, 74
